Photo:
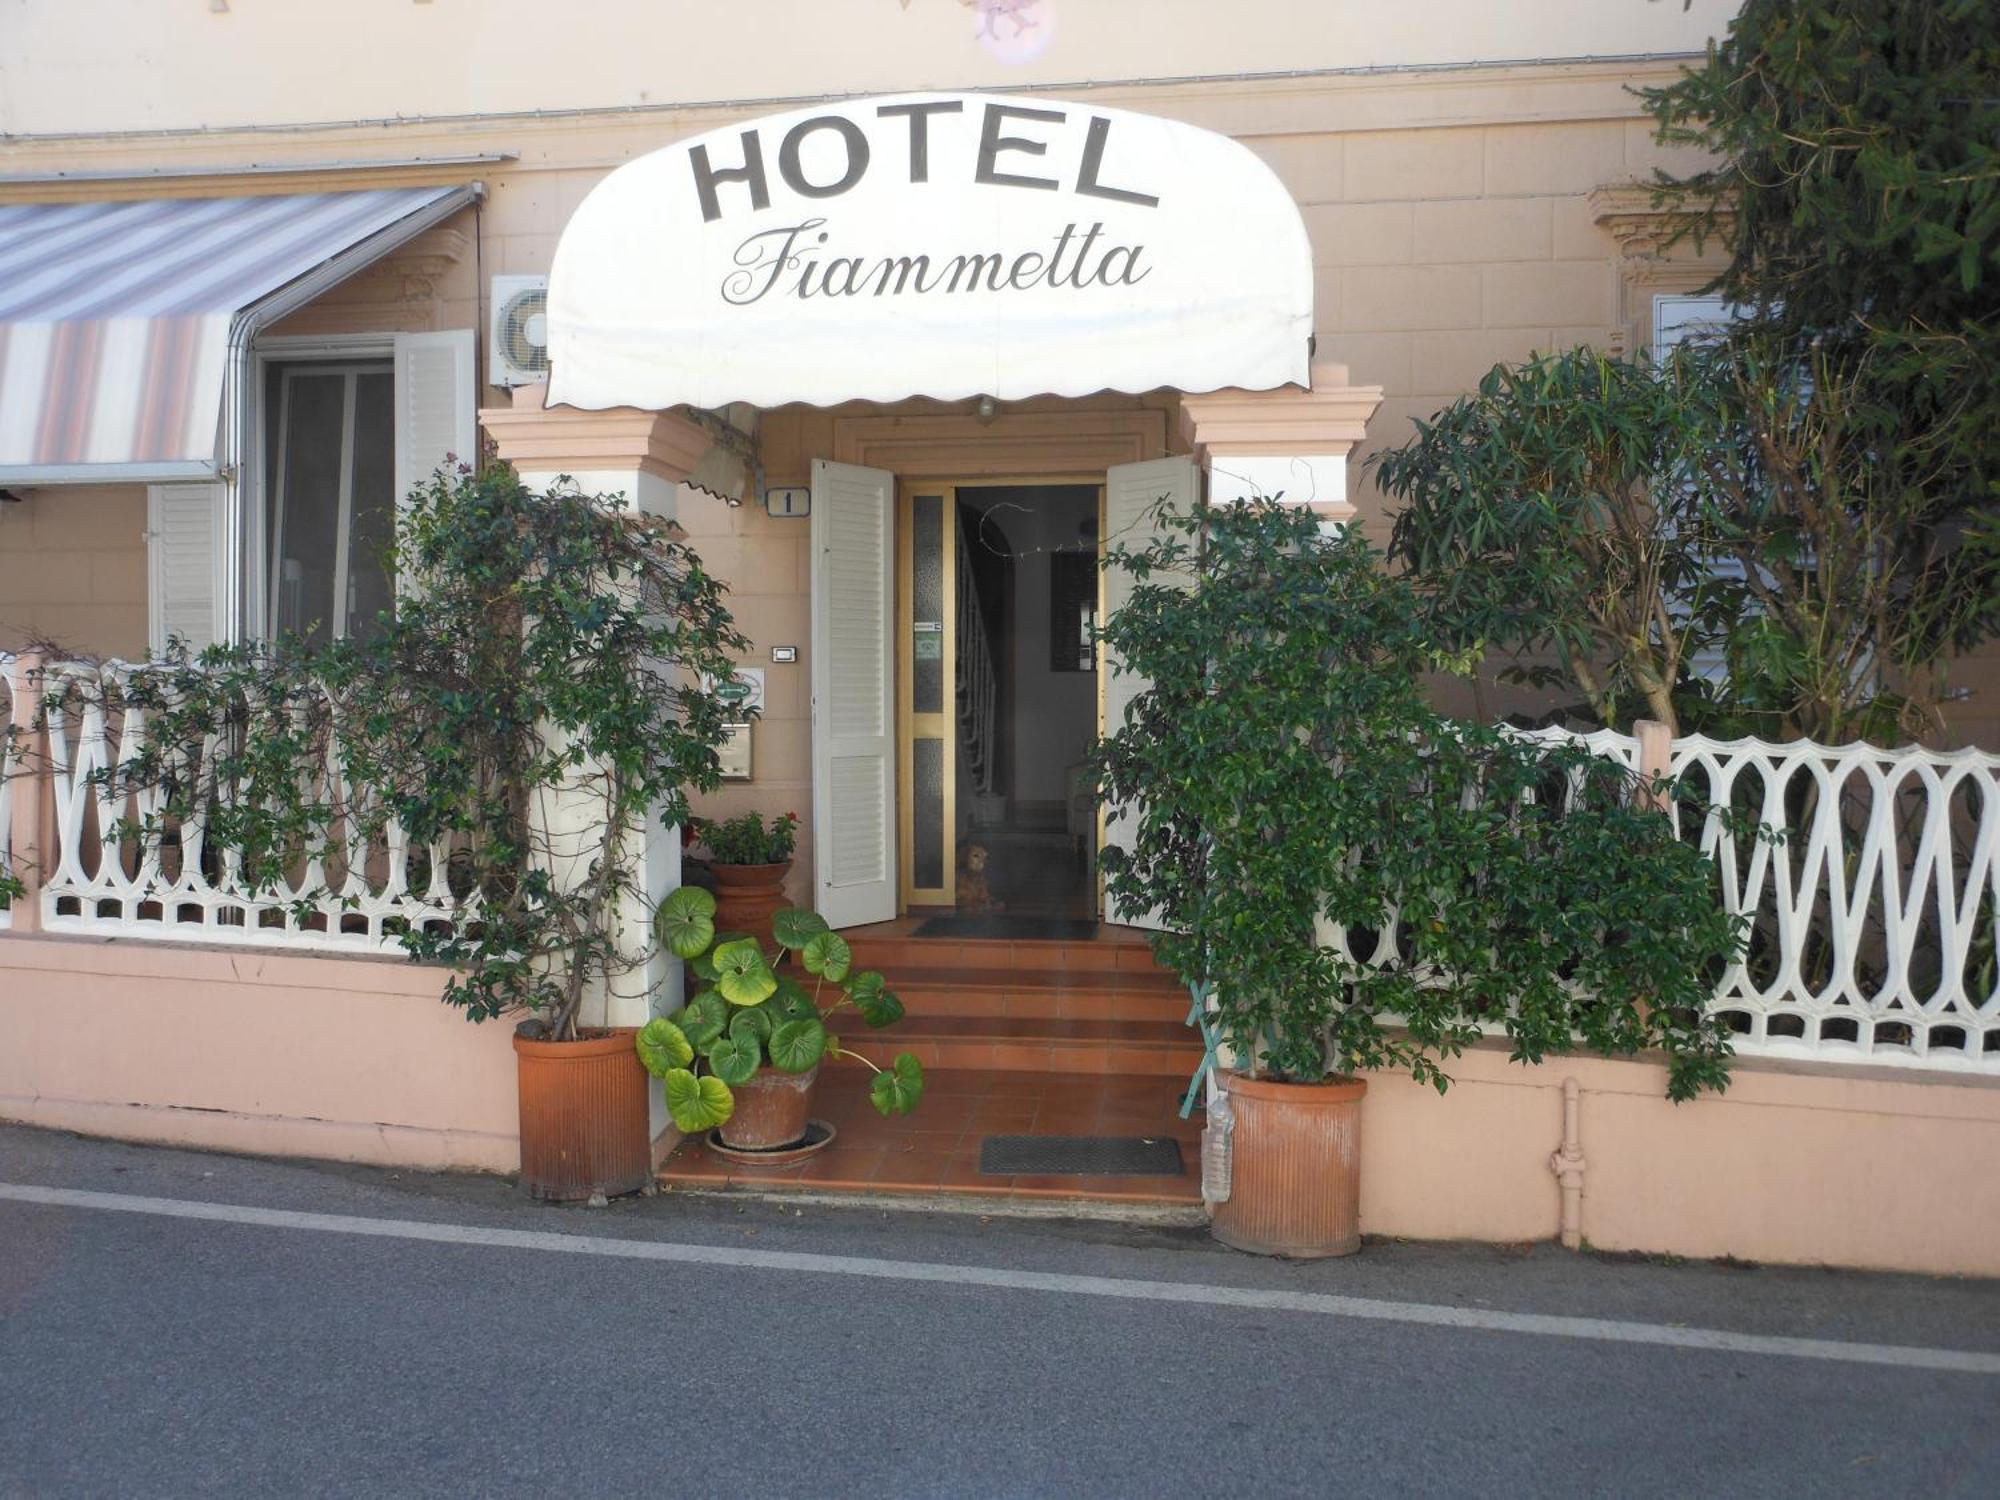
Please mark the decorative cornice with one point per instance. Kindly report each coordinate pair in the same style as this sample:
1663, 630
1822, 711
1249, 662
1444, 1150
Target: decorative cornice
566, 439
412, 274
1327, 420
1642, 227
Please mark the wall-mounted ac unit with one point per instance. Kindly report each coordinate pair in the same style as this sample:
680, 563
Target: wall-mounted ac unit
518, 341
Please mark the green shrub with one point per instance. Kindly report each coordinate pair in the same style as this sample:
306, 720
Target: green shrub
1292, 801
744, 840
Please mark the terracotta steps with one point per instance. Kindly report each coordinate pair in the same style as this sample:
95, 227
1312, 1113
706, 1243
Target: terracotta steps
1100, 1007
1056, 994
1038, 1044
1038, 1037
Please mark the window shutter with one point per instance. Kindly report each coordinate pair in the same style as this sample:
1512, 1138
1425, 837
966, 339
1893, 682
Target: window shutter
436, 405
1130, 493
853, 692
184, 565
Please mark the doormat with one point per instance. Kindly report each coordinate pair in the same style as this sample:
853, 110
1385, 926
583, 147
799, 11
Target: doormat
1080, 1156
1015, 926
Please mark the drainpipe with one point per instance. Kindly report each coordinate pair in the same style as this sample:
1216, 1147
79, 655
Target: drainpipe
1567, 1163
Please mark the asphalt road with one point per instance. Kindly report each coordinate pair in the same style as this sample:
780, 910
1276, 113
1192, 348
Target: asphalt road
366, 1333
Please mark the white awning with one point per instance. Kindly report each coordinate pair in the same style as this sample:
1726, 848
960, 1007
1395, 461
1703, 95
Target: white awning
117, 320
944, 245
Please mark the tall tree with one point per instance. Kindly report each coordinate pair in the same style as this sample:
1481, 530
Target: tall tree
1555, 513
1857, 187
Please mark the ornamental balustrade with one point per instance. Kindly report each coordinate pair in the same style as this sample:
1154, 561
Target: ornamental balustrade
114, 865
1872, 919
1872, 913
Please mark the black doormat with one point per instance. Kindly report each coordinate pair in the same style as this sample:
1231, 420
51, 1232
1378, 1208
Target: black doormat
1080, 1156
1015, 926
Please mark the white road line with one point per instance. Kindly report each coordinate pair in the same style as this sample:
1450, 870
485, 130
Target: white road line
1605, 1330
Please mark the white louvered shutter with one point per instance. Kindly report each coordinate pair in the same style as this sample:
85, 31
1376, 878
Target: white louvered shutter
437, 399
1130, 493
184, 565
853, 684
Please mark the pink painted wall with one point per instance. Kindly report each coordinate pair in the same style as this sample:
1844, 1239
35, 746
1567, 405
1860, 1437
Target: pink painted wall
349, 1059
1806, 1165
355, 1060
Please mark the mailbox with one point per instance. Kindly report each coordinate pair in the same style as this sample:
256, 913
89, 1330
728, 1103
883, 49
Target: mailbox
733, 754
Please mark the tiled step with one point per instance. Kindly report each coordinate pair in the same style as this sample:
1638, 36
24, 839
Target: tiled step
1052, 994
892, 950
1036, 1044
936, 1149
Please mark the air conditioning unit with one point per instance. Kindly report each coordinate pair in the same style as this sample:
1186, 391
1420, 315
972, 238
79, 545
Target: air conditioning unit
518, 341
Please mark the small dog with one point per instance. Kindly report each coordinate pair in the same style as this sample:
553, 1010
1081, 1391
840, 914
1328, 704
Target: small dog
974, 894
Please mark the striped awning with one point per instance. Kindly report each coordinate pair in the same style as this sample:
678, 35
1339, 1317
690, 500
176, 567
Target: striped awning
116, 319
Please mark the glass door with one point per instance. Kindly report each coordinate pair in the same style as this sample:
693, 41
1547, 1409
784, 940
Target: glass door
927, 693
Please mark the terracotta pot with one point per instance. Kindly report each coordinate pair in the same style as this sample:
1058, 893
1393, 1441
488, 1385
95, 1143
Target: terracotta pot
772, 1109
584, 1122
1295, 1167
749, 897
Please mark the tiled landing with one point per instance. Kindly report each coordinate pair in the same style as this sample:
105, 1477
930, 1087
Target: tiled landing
936, 1150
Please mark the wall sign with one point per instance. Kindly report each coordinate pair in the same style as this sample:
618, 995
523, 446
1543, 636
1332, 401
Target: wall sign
945, 245
741, 694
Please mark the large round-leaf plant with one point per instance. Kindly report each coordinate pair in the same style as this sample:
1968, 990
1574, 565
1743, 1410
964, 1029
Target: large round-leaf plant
749, 1015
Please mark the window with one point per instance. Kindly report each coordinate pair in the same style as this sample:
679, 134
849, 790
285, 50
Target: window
330, 495
1679, 319
1687, 319
344, 427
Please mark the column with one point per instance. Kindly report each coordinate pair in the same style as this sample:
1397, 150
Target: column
644, 456
1287, 444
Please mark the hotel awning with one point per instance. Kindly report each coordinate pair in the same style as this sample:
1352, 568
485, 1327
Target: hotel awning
940, 245
118, 320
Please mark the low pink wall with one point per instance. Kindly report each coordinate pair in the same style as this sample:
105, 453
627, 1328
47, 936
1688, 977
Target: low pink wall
282, 1054
356, 1060
1798, 1164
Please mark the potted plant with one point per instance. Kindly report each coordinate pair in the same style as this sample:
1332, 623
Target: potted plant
548, 659
1356, 882
743, 1055
536, 698
750, 861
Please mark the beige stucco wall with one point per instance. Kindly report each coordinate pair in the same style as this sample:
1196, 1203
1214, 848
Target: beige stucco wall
1450, 209
180, 64
73, 569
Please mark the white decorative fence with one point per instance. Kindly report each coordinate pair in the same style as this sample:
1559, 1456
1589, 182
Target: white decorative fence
110, 865
1872, 920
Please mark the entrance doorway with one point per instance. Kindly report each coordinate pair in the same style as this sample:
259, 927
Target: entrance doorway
998, 699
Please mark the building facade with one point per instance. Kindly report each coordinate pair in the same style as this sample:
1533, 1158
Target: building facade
1469, 190
264, 266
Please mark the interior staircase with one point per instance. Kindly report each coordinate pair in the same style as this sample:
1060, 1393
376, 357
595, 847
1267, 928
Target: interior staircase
976, 687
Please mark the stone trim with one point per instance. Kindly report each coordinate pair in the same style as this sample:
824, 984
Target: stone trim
1330, 419
546, 439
